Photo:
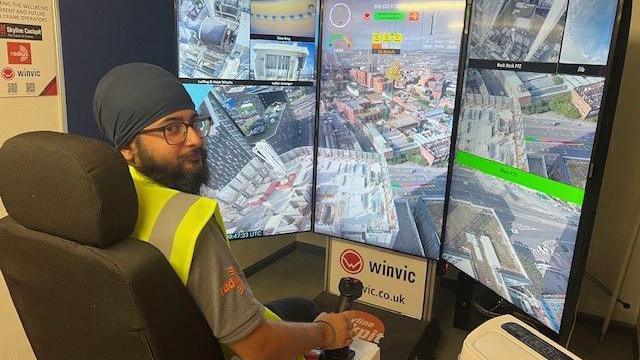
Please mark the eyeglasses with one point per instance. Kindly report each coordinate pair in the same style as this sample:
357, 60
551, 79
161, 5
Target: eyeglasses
176, 134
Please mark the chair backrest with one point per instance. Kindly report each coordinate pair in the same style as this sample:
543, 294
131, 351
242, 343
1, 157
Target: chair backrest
82, 289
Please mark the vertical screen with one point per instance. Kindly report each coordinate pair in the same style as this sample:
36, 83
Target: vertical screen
532, 92
251, 66
387, 93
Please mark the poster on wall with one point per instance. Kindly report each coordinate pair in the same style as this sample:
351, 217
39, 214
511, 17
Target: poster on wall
28, 61
251, 67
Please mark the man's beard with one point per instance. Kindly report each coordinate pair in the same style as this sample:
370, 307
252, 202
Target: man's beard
174, 177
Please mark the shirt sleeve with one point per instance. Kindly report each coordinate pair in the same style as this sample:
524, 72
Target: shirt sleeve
220, 288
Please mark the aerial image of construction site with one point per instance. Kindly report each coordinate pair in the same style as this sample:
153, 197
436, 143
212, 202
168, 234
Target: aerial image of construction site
503, 228
517, 30
260, 157
213, 39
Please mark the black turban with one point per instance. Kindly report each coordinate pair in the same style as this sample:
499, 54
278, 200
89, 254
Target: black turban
132, 96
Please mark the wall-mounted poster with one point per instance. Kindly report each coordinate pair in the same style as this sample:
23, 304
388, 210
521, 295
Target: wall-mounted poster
28, 52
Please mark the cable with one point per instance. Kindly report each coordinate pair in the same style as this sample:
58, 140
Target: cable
605, 289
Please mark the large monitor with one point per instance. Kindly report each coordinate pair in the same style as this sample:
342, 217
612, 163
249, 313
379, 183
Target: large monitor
251, 66
533, 128
387, 92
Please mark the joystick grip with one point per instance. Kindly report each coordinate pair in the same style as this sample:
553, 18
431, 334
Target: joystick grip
350, 290
344, 304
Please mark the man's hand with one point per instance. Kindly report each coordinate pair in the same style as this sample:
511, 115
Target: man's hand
337, 329
277, 340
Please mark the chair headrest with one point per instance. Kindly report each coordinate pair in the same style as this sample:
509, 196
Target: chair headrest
68, 186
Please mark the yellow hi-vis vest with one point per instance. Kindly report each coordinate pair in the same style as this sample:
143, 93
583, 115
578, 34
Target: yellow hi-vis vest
172, 221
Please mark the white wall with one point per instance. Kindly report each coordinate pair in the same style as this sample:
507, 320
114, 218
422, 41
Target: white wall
19, 115
250, 251
619, 203
313, 239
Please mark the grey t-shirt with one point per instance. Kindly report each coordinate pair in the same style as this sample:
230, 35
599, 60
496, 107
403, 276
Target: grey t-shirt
220, 289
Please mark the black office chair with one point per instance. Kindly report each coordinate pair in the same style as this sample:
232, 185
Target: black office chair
82, 288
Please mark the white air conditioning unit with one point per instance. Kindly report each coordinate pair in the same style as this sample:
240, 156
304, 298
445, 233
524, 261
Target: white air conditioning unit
507, 338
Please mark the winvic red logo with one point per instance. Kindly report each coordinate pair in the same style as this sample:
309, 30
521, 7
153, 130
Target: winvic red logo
351, 261
8, 73
19, 53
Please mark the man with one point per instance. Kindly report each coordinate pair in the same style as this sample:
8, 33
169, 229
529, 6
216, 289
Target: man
147, 115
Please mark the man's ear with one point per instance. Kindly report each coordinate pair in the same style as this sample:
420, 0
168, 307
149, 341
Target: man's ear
128, 153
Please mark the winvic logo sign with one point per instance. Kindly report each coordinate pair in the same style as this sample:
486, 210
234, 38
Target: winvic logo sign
392, 281
8, 73
351, 261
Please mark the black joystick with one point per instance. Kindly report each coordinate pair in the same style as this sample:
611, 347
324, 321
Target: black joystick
350, 290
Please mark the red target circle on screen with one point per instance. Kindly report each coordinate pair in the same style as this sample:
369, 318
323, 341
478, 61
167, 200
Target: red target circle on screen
8, 73
351, 261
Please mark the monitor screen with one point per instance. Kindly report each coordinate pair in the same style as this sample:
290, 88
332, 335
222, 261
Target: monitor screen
532, 92
387, 93
246, 39
251, 66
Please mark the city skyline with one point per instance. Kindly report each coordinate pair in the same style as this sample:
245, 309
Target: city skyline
385, 123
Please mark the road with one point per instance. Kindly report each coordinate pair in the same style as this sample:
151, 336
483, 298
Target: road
512, 204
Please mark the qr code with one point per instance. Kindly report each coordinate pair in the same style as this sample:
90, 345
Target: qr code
31, 87
12, 88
